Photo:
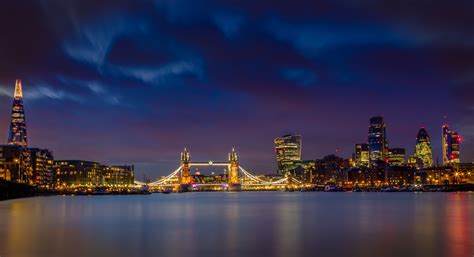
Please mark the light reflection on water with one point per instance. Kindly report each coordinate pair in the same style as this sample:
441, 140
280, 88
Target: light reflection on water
240, 224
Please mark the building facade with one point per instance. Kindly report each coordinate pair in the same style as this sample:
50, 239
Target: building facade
423, 156
288, 152
362, 156
15, 164
378, 143
397, 156
119, 176
42, 163
451, 141
77, 173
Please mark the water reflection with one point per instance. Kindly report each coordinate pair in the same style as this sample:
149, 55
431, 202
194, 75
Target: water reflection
240, 224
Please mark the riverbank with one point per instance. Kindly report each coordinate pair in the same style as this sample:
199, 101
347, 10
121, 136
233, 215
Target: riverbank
9, 190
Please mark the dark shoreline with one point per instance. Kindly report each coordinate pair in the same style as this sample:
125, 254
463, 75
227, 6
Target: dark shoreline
10, 191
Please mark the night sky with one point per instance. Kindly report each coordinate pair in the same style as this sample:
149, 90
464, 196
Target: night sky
137, 81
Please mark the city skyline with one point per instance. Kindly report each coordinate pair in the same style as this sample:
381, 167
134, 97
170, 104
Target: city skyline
170, 78
288, 148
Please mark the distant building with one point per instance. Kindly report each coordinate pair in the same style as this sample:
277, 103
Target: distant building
15, 164
42, 163
362, 156
451, 141
288, 152
423, 156
396, 156
17, 132
378, 143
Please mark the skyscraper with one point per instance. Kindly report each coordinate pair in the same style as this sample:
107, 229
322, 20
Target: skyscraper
288, 152
17, 133
451, 141
423, 155
378, 143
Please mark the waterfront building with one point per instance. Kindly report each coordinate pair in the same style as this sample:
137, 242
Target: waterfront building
400, 175
15, 164
451, 141
73, 173
42, 163
119, 175
77, 173
17, 132
288, 152
423, 156
361, 156
378, 143
396, 156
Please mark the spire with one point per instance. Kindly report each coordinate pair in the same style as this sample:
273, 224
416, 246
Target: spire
18, 89
17, 132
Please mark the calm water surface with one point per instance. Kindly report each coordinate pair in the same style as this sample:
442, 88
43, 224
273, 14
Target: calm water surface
240, 224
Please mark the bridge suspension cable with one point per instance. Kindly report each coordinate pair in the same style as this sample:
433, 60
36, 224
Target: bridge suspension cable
166, 179
261, 181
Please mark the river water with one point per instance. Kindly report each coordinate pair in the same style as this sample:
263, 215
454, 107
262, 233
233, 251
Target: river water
247, 224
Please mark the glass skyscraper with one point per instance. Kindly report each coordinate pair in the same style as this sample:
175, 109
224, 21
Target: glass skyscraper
378, 143
17, 132
451, 141
288, 152
423, 153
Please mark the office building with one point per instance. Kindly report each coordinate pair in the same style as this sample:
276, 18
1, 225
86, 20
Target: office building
451, 141
423, 156
362, 157
378, 143
42, 163
288, 152
396, 156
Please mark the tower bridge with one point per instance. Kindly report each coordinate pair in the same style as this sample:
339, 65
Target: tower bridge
237, 178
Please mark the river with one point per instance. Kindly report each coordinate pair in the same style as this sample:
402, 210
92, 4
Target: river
247, 224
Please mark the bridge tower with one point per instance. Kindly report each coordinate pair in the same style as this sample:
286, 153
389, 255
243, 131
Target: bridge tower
185, 178
233, 178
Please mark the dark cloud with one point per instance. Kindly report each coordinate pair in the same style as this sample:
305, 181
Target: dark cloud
136, 81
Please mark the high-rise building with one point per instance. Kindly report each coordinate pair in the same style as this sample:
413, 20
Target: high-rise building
378, 143
451, 141
396, 156
17, 133
361, 157
423, 156
288, 152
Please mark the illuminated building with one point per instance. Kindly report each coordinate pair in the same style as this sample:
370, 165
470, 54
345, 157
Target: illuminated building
118, 176
362, 155
450, 142
288, 152
378, 143
17, 132
78, 173
42, 163
423, 156
15, 164
396, 156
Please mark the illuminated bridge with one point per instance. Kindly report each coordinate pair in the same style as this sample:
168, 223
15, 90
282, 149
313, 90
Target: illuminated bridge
238, 178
